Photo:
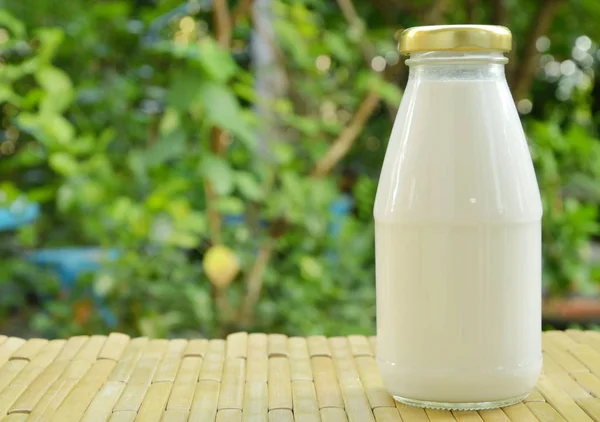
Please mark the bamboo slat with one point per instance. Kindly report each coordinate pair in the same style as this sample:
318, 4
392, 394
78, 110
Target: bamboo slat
15, 417
257, 368
30, 349
103, 403
75, 404
277, 345
592, 407
127, 362
91, 348
123, 416
494, 415
258, 378
256, 402
176, 415
204, 403
231, 395
334, 414
229, 415
185, 383
281, 415
114, 347
360, 346
9, 347
169, 366
280, 387
34, 367
257, 345
300, 368
386, 414
196, 348
237, 345
212, 366
34, 392
71, 348
326, 384
306, 408
318, 346
59, 390
155, 402
519, 412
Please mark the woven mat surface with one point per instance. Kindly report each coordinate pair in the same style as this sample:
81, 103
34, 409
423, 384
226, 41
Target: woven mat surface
258, 378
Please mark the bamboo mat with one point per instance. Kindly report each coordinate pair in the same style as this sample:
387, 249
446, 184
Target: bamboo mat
257, 378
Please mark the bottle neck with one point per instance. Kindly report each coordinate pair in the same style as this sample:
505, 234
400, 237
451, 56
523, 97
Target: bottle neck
455, 65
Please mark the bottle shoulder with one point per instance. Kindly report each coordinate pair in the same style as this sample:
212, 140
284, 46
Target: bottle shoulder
457, 151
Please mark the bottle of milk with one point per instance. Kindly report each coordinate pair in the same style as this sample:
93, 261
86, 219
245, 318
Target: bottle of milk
458, 236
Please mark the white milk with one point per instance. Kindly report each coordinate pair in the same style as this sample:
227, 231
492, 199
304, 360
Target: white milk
458, 241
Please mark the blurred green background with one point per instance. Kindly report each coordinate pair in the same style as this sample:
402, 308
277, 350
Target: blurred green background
174, 168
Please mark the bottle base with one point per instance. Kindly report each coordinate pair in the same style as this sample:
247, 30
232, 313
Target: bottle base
485, 405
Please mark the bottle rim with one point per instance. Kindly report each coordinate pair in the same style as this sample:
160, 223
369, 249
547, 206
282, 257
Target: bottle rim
442, 58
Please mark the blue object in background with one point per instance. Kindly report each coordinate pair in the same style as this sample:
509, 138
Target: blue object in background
339, 209
238, 219
70, 263
20, 213
233, 219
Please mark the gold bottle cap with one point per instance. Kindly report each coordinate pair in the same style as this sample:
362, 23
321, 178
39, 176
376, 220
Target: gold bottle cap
455, 38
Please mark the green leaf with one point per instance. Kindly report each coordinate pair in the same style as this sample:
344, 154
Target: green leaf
217, 170
15, 26
231, 205
63, 163
168, 147
284, 153
50, 39
194, 222
7, 95
184, 239
293, 42
58, 87
184, 89
223, 110
248, 185
338, 46
389, 92
221, 106
65, 198
135, 162
201, 303
169, 122
215, 61
310, 268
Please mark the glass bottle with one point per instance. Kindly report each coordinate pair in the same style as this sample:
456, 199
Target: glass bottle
458, 230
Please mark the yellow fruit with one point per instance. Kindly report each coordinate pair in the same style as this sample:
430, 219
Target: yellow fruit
221, 265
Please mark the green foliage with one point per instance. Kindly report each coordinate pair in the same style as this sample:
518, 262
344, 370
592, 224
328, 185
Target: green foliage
114, 115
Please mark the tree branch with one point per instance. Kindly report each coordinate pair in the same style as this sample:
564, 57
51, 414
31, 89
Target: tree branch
470, 6
368, 49
242, 8
434, 15
524, 72
218, 138
214, 218
407, 7
344, 142
254, 282
222, 22
352, 17
499, 13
